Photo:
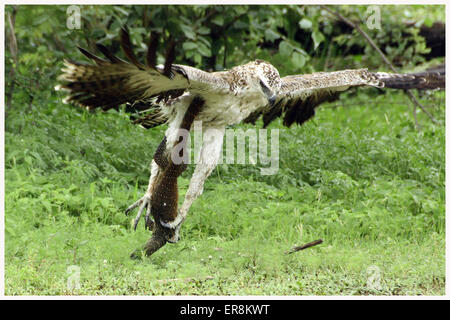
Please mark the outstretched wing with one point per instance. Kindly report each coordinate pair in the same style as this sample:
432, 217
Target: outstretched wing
112, 82
301, 94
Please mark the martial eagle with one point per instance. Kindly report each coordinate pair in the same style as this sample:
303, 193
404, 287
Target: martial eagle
178, 94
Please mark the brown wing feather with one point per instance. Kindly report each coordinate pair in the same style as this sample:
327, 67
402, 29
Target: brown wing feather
127, 48
151, 52
112, 58
93, 57
112, 82
152, 119
301, 94
301, 110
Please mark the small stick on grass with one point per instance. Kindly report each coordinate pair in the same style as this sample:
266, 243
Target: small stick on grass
303, 247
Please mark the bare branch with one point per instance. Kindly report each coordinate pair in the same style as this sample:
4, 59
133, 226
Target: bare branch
13, 48
383, 56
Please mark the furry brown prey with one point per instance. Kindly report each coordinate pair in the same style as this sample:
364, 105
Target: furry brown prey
177, 94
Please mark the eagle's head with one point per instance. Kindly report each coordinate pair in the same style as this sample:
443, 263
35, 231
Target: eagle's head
265, 78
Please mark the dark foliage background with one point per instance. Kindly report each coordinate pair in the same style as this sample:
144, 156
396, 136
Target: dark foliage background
213, 37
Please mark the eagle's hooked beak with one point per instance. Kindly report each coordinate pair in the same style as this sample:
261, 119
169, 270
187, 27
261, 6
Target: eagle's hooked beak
270, 95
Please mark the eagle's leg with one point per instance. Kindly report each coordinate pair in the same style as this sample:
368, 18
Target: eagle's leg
208, 160
172, 159
144, 202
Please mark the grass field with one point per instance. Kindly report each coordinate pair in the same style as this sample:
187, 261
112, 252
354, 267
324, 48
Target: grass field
358, 176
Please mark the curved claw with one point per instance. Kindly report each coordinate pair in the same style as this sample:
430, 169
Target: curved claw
134, 205
173, 224
149, 223
175, 235
143, 203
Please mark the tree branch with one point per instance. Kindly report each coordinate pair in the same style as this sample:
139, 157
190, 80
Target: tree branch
13, 48
305, 246
411, 96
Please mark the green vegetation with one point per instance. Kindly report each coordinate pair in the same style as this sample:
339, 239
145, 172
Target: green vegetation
359, 176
